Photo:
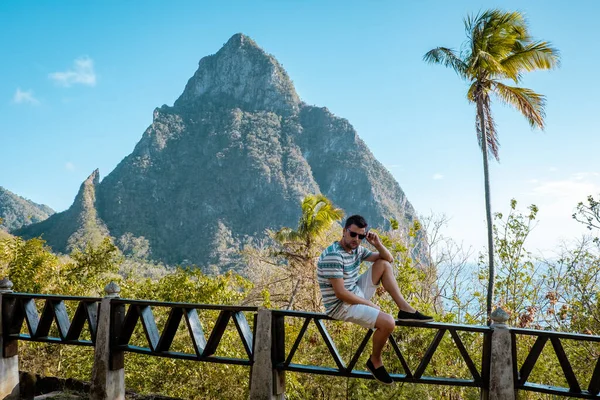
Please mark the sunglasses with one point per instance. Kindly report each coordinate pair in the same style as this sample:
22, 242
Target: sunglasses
355, 234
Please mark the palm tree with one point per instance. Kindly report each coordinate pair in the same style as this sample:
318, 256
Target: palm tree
498, 47
299, 247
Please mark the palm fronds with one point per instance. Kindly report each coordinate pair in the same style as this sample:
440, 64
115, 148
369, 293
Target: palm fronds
529, 103
498, 46
318, 215
446, 57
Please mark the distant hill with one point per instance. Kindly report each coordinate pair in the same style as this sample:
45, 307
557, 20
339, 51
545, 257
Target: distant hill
234, 155
17, 211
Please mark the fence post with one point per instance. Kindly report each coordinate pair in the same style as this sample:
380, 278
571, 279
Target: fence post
266, 383
501, 384
108, 381
9, 362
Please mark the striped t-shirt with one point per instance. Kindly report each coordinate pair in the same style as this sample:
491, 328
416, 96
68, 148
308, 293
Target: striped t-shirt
335, 262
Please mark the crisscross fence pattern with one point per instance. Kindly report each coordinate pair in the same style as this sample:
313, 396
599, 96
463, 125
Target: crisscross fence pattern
54, 325
127, 314
20, 308
283, 361
557, 339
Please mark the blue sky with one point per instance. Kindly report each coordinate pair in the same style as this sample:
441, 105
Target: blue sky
80, 81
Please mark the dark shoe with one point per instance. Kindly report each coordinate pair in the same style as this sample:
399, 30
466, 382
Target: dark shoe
416, 316
380, 373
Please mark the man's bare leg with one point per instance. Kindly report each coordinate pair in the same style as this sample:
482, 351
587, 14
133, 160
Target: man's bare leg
382, 271
385, 325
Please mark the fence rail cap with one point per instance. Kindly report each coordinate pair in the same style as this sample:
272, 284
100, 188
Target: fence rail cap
112, 290
6, 286
499, 316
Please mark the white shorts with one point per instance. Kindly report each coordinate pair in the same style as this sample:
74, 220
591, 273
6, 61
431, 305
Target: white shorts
360, 314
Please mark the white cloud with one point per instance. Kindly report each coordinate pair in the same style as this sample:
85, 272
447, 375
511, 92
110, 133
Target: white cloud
585, 175
69, 166
82, 73
22, 97
437, 177
556, 196
557, 201
563, 195
552, 169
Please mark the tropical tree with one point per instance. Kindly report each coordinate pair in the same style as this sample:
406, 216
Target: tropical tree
300, 247
498, 47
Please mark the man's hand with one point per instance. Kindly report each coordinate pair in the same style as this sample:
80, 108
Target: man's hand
382, 252
373, 239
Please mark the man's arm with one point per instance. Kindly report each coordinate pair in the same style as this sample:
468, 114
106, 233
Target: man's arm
347, 296
382, 252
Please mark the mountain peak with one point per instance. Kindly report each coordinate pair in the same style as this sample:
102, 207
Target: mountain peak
93, 179
87, 190
242, 74
75, 227
238, 40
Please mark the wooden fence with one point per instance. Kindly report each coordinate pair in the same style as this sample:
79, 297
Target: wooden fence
268, 347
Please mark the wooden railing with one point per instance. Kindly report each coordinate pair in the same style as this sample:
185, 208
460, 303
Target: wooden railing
283, 361
126, 313
557, 339
269, 347
20, 308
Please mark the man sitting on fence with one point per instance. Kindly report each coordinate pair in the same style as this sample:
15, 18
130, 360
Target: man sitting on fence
346, 295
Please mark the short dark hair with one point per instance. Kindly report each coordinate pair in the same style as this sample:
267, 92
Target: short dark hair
356, 220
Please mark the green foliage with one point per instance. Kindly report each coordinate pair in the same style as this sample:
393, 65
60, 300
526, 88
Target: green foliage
189, 285
94, 265
554, 294
29, 265
589, 215
518, 285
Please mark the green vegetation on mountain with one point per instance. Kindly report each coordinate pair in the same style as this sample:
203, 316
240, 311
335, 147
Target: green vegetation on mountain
16, 212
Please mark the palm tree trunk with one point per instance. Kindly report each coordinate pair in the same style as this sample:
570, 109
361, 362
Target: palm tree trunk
293, 297
488, 210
